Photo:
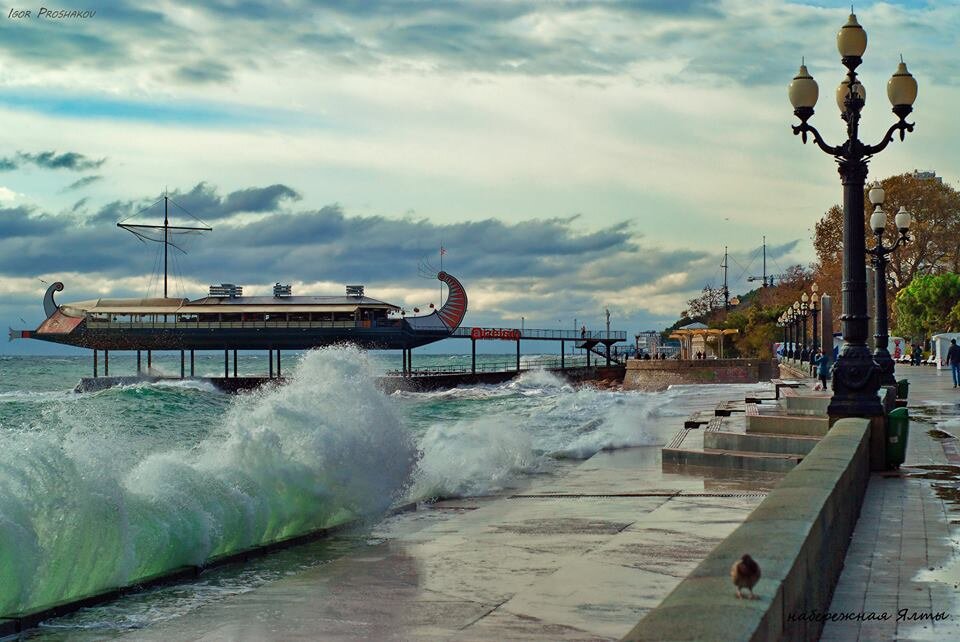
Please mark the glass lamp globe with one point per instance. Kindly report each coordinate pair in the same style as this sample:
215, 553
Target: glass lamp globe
902, 219
844, 88
878, 220
803, 90
852, 39
902, 86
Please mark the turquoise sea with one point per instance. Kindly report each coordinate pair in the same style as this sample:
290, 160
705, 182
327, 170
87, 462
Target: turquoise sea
99, 489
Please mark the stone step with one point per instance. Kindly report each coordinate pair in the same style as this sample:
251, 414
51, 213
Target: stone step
728, 459
727, 408
811, 403
759, 442
784, 424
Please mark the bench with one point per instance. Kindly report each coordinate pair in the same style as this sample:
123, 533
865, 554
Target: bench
779, 384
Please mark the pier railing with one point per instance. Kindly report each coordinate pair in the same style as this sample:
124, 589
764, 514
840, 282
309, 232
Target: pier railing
546, 333
538, 363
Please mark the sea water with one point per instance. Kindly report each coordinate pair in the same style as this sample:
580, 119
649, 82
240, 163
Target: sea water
100, 489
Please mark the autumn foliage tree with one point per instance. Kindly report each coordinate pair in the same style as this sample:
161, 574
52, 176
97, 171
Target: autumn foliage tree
934, 232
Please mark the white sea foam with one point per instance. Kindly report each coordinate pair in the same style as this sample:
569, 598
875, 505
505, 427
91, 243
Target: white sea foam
468, 458
319, 450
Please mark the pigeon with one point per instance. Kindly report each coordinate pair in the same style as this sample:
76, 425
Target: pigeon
745, 573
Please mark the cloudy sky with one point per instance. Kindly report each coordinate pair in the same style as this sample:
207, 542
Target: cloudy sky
569, 155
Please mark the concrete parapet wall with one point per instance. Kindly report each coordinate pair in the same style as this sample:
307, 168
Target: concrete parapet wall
799, 536
658, 375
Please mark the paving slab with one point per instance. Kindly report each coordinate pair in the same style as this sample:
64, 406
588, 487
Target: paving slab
577, 556
903, 557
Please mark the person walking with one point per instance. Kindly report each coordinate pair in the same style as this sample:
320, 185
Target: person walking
917, 354
953, 360
823, 368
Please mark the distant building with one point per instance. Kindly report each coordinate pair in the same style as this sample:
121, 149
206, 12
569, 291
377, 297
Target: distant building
647, 341
927, 175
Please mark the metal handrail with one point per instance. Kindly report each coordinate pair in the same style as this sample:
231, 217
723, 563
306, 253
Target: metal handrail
541, 363
547, 333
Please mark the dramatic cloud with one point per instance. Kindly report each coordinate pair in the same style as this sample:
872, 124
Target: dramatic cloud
541, 269
83, 182
51, 160
203, 202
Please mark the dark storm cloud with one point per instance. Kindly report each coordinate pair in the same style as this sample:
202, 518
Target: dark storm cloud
323, 244
204, 72
202, 202
551, 268
51, 160
83, 182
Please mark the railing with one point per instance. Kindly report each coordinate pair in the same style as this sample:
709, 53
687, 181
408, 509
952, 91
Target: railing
572, 335
172, 325
540, 363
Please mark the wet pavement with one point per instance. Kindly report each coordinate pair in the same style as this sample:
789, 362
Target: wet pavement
902, 572
581, 555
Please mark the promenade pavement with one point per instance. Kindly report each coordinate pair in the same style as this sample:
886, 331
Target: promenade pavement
902, 562
580, 555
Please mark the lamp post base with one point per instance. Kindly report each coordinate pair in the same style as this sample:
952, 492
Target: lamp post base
856, 381
886, 365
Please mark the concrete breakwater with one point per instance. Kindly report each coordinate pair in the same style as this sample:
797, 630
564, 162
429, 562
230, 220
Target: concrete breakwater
387, 383
658, 375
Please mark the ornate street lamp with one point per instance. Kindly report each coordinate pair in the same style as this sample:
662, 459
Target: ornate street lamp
796, 323
788, 321
813, 312
856, 377
783, 326
878, 222
803, 313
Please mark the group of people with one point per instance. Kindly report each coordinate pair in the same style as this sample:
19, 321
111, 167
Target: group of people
701, 355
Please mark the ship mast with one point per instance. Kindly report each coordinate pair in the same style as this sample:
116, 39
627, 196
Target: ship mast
166, 227
166, 241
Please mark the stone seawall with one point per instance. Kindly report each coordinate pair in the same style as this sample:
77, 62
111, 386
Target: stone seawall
658, 375
799, 536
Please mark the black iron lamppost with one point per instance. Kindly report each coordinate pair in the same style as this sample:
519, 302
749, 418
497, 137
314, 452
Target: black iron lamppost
804, 309
856, 378
879, 252
789, 320
797, 315
813, 313
783, 328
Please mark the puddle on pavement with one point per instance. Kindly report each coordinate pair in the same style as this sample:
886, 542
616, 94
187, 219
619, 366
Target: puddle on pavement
945, 482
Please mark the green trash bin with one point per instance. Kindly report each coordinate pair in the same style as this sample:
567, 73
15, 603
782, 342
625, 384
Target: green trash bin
903, 387
898, 426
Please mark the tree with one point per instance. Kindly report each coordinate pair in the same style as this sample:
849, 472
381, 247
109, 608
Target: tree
933, 249
701, 306
930, 304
